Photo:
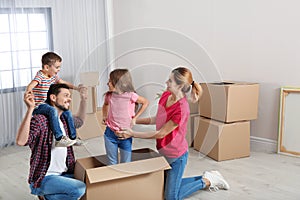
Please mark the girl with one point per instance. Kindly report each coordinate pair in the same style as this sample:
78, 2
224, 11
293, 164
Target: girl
118, 113
171, 124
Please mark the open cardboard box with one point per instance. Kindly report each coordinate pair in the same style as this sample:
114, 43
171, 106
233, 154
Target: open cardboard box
143, 178
229, 101
223, 141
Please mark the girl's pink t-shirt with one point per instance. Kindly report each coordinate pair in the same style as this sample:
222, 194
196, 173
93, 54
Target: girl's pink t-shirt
121, 109
174, 144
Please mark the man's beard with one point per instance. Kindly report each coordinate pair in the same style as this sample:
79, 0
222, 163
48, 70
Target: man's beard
61, 107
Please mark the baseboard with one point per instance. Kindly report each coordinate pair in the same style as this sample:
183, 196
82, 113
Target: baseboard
258, 144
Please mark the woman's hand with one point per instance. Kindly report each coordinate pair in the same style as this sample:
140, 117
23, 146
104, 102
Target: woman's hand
133, 122
124, 134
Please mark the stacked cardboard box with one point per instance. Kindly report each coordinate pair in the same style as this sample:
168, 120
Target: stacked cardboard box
92, 126
192, 122
192, 126
222, 130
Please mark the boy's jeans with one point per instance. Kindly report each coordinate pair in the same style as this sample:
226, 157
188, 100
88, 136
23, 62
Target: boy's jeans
55, 187
51, 113
112, 143
177, 187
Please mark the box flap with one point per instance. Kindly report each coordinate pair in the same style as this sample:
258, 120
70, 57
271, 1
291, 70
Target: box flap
79, 172
143, 153
232, 83
89, 78
222, 83
211, 121
124, 170
85, 163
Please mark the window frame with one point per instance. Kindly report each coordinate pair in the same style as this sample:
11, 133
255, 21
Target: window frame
49, 34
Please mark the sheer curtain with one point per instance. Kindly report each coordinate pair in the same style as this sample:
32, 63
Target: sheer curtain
75, 29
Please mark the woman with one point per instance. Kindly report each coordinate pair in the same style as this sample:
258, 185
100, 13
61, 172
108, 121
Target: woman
171, 124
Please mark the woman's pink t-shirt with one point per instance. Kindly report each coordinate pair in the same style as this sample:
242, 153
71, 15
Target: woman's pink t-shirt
174, 144
121, 109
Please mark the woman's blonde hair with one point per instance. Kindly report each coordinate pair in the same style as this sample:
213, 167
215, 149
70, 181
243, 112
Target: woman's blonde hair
121, 80
184, 77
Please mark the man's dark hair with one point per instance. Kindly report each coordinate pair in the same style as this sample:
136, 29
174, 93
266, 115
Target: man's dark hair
55, 89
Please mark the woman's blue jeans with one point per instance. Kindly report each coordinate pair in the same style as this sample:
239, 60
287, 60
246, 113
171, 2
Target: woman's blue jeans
176, 187
112, 144
57, 187
51, 113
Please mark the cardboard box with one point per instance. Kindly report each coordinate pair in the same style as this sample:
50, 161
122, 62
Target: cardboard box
192, 127
229, 101
100, 119
92, 126
223, 141
90, 80
91, 100
194, 108
143, 178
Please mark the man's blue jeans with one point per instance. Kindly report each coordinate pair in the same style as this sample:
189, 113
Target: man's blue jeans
176, 187
51, 113
112, 144
57, 187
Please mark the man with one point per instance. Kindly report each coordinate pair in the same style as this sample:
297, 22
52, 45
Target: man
51, 167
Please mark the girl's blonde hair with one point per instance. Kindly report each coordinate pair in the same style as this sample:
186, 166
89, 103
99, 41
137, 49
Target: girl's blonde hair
121, 80
184, 77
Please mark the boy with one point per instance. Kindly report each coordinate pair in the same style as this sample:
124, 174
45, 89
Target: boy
51, 64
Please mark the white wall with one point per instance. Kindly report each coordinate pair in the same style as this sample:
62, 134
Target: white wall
79, 31
246, 40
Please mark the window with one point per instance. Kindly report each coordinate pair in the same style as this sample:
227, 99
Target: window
25, 35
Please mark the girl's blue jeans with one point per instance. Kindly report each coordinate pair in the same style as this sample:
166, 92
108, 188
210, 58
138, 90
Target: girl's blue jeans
57, 187
176, 187
51, 113
112, 144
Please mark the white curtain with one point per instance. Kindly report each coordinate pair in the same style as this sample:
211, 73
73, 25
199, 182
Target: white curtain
75, 29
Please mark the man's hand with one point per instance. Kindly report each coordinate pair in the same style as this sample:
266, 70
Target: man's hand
29, 99
83, 92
